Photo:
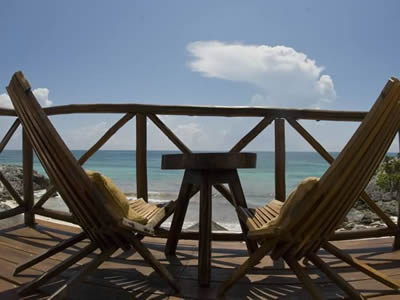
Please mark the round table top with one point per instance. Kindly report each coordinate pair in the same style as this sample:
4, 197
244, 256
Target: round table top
227, 160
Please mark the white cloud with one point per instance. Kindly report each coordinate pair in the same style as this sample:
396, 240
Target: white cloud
192, 134
41, 94
281, 75
5, 101
84, 136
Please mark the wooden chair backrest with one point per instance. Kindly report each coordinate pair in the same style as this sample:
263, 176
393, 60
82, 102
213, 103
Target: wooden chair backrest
340, 187
73, 185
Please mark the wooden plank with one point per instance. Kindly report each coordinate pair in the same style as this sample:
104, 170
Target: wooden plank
27, 162
362, 234
318, 262
82, 273
311, 140
12, 212
151, 212
329, 158
205, 231
194, 235
280, 281
209, 161
269, 211
280, 162
362, 158
46, 196
109, 133
7, 289
354, 262
396, 242
243, 268
268, 216
179, 216
260, 216
237, 192
9, 134
55, 214
141, 156
339, 180
246, 215
221, 111
7, 269
50, 252
153, 262
305, 279
11, 190
376, 209
224, 192
57, 269
257, 219
169, 133
60, 164
251, 135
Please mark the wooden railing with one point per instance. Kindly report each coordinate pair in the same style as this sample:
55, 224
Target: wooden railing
280, 117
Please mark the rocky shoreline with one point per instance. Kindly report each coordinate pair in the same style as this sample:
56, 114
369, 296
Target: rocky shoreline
15, 176
359, 217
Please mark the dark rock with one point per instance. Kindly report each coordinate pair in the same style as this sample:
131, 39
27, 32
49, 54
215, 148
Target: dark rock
389, 207
361, 216
354, 216
389, 196
14, 174
369, 217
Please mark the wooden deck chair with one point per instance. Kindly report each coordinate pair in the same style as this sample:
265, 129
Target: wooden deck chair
105, 229
302, 225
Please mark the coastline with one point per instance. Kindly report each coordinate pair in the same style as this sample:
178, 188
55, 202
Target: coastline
353, 220
359, 217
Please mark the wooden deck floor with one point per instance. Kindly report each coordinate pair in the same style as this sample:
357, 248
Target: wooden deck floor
126, 276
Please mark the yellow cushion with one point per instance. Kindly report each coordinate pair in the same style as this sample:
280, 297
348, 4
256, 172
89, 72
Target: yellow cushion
291, 207
115, 197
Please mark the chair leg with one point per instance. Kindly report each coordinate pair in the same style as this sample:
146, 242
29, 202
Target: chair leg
153, 262
239, 200
57, 248
320, 264
83, 273
179, 215
249, 263
57, 269
304, 278
366, 269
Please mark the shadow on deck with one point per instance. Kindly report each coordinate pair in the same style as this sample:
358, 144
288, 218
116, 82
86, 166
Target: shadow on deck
126, 276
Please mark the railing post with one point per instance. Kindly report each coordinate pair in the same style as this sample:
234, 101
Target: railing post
27, 162
141, 156
280, 182
396, 241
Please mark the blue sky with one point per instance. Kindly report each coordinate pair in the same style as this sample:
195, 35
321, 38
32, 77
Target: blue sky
314, 54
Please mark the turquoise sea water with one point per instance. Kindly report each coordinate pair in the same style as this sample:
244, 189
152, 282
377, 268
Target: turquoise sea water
258, 184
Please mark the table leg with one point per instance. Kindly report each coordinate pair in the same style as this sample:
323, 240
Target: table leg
239, 199
179, 215
204, 268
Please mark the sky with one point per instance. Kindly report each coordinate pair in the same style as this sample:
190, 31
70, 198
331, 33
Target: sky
334, 55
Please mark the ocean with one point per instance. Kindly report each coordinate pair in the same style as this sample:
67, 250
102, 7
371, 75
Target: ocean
258, 184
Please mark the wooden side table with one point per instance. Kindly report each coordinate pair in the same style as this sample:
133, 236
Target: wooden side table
205, 170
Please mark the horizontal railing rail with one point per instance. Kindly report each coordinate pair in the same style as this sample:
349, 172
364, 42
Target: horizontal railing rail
212, 111
143, 113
